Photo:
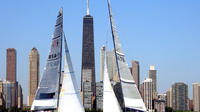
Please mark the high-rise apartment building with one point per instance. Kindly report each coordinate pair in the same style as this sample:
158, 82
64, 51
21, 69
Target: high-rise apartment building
112, 66
34, 71
7, 94
153, 76
169, 97
180, 96
20, 97
2, 103
147, 86
11, 65
14, 94
136, 72
190, 104
196, 97
103, 51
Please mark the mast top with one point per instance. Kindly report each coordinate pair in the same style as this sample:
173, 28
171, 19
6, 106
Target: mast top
61, 10
88, 10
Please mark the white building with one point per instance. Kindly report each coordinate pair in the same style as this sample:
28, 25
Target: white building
147, 93
196, 97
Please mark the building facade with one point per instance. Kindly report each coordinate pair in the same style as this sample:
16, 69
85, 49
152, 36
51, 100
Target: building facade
147, 86
11, 70
169, 98
153, 76
7, 94
11, 65
160, 103
14, 94
180, 96
34, 74
103, 51
136, 72
20, 97
190, 105
88, 58
112, 66
87, 95
2, 103
196, 97
99, 95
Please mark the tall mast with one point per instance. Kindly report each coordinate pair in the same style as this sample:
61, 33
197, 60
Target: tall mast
130, 93
88, 9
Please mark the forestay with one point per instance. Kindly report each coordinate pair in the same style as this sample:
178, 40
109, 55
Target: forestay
69, 100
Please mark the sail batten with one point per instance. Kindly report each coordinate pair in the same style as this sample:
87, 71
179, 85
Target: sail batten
131, 95
69, 100
46, 97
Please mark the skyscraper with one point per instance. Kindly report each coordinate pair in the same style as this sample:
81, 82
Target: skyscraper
180, 96
34, 63
112, 66
10, 94
103, 51
136, 72
7, 94
196, 97
88, 59
1, 94
169, 97
153, 76
147, 86
11, 65
20, 97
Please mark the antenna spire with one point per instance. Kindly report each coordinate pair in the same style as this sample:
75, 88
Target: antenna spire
88, 10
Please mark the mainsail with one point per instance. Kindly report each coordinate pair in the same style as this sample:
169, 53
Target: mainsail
110, 103
48, 90
132, 98
69, 100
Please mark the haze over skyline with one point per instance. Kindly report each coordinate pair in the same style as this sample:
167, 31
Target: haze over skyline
163, 33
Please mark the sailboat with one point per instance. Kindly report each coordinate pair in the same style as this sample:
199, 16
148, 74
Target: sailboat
110, 103
47, 94
69, 100
132, 99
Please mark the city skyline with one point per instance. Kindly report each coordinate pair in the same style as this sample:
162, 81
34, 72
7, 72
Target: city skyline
178, 63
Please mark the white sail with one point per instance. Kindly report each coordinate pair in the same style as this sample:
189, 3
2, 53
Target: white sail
46, 97
69, 100
131, 95
110, 103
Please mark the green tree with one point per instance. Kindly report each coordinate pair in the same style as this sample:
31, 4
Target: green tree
168, 109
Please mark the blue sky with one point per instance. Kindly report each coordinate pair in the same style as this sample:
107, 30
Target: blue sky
165, 33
